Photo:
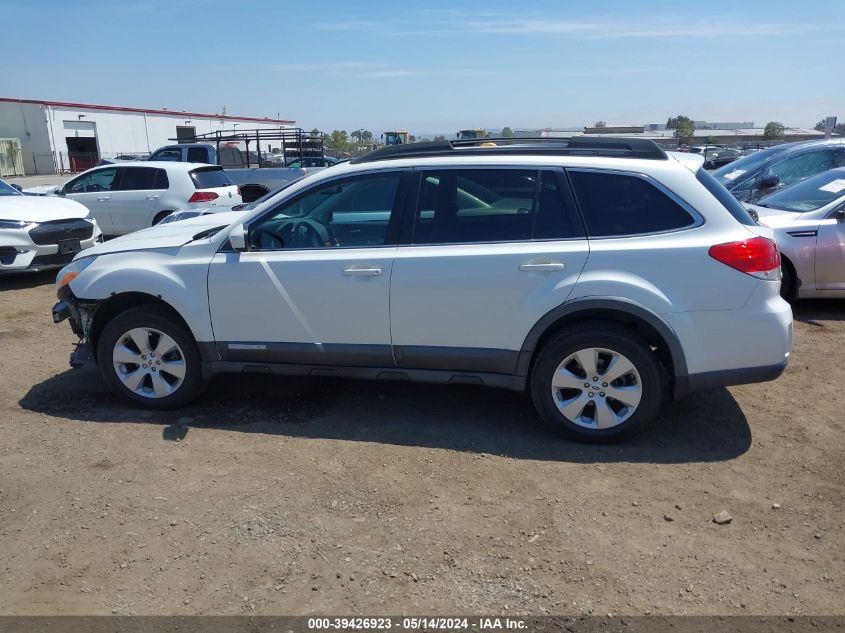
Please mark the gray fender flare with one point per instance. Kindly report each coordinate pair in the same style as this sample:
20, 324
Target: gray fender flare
615, 304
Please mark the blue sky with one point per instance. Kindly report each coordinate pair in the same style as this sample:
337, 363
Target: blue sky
435, 66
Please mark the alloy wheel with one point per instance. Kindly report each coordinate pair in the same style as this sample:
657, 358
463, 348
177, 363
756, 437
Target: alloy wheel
597, 388
149, 362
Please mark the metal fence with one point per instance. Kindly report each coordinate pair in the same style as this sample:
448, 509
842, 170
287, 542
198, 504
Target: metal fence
75, 162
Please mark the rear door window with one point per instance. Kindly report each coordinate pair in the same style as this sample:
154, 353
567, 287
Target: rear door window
137, 178
617, 204
464, 206
210, 178
197, 155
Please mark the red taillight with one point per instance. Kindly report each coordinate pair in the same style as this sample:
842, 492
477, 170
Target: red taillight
203, 196
757, 255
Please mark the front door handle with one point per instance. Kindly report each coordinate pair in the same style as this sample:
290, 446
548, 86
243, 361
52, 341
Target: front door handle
542, 266
103, 199
152, 197
362, 272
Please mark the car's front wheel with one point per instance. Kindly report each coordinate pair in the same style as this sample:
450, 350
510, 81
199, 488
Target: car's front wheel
597, 383
150, 359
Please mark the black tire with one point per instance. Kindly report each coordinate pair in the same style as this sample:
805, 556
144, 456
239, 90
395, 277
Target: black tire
789, 282
151, 317
159, 217
609, 336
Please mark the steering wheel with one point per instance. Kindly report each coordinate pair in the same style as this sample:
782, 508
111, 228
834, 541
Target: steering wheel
308, 233
295, 233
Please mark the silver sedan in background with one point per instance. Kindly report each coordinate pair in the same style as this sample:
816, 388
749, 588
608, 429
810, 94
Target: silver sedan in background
809, 223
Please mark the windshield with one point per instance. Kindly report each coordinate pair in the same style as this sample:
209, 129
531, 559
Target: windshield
8, 190
733, 173
810, 194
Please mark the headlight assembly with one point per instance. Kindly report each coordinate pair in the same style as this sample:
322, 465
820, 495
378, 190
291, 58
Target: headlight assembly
70, 272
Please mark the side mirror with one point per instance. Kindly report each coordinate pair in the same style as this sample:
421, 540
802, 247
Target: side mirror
769, 181
16, 186
237, 238
60, 191
840, 213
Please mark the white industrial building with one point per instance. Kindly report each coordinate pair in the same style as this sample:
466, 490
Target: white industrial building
57, 137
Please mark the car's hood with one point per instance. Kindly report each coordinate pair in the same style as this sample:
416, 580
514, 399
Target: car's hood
41, 190
37, 209
164, 235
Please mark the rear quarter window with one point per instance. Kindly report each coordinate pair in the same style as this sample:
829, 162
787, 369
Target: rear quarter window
210, 178
616, 204
725, 197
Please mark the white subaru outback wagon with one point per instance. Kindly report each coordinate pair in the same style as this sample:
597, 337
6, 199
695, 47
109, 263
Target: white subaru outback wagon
604, 276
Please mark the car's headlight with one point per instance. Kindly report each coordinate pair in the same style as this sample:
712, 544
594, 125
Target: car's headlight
13, 224
70, 272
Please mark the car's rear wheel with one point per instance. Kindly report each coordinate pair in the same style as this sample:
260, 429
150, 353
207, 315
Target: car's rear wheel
597, 382
150, 359
160, 216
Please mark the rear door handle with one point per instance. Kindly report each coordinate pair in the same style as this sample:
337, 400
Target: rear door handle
152, 197
103, 199
544, 266
362, 272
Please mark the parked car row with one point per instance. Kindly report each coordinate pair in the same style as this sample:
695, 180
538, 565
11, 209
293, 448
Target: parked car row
596, 349
130, 196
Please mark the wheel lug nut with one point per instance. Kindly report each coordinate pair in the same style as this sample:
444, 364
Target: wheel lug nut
604, 384
595, 378
591, 394
602, 394
586, 384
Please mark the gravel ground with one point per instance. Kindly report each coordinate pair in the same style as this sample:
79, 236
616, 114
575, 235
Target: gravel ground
295, 496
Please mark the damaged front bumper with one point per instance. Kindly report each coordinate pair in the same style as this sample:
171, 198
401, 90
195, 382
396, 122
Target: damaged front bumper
80, 315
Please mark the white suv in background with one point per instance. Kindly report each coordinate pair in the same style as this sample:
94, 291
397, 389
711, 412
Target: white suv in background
135, 195
604, 276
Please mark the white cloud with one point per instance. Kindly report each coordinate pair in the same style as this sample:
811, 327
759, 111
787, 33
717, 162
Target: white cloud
450, 22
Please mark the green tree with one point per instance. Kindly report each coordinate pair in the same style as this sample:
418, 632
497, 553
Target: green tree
356, 135
684, 131
366, 136
680, 120
439, 137
774, 130
711, 140
338, 139
411, 138
506, 132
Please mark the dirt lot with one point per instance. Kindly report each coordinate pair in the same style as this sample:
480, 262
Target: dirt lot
298, 496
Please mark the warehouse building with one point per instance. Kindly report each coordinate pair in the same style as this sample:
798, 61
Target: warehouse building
60, 137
